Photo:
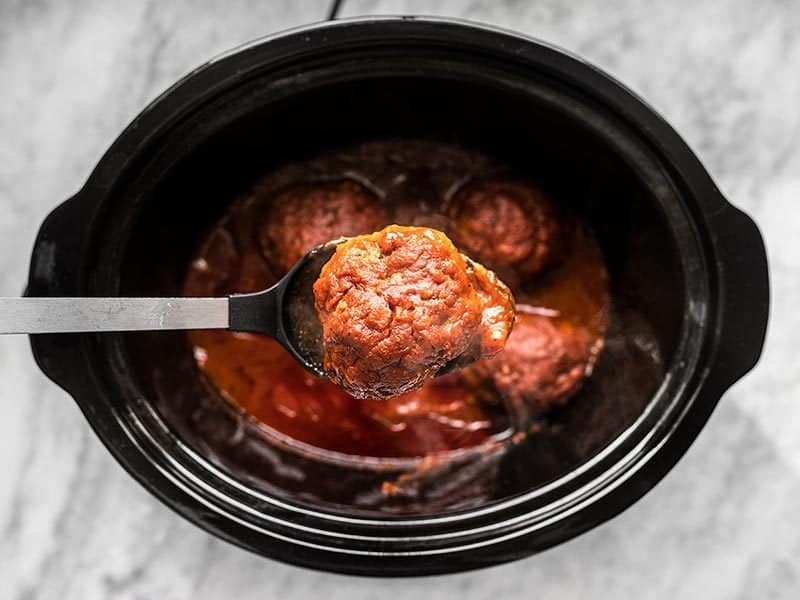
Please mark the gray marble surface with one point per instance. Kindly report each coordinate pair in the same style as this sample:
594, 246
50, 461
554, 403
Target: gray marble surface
723, 524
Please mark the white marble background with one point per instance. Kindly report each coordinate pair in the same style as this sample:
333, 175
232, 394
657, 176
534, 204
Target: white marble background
723, 524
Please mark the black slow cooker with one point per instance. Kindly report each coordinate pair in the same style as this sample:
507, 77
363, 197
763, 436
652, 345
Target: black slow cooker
679, 255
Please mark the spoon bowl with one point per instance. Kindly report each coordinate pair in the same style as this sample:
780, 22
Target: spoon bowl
286, 311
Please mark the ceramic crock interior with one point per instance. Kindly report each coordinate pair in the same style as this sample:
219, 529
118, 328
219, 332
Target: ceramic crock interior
585, 156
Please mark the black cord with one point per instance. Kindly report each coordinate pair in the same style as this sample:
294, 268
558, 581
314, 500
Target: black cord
333, 10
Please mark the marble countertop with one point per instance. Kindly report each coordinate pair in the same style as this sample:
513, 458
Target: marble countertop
723, 524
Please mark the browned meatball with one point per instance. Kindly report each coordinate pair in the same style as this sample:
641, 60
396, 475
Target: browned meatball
398, 305
306, 215
543, 364
497, 310
558, 335
506, 224
544, 361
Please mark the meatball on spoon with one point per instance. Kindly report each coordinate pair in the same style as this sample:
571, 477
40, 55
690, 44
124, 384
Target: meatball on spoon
285, 312
378, 313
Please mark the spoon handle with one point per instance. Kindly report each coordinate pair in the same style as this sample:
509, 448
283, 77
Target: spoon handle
64, 315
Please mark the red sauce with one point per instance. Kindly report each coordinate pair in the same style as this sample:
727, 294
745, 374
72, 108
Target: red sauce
262, 380
256, 374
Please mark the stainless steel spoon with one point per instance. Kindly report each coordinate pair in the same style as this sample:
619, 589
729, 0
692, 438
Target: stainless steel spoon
285, 312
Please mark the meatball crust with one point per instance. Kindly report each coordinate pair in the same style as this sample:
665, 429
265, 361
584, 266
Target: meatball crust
506, 224
306, 215
497, 309
398, 305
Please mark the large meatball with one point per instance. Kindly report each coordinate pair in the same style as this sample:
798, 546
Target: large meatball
506, 224
559, 331
398, 305
304, 215
543, 364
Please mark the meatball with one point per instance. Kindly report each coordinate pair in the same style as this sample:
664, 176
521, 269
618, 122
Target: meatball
497, 310
303, 216
508, 225
543, 364
398, 305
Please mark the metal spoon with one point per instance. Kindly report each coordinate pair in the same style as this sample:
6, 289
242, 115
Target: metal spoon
285, 312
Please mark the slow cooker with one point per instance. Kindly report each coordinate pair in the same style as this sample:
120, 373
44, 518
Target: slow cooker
692, 265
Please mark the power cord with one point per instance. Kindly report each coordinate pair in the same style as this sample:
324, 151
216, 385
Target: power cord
333, 9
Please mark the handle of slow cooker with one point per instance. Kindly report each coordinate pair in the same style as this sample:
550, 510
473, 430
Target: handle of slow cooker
58, 251
744, 293
56, 262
